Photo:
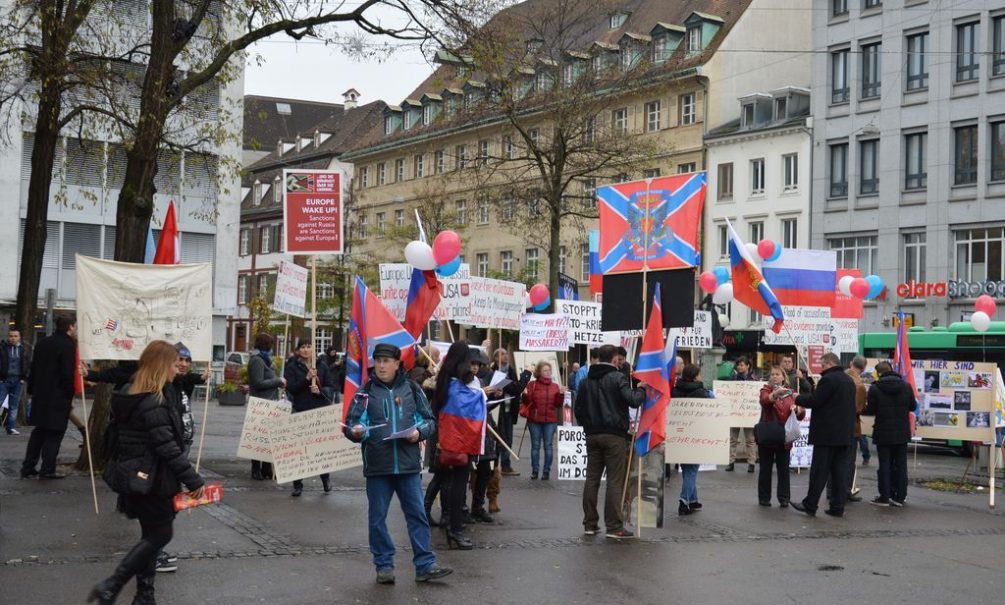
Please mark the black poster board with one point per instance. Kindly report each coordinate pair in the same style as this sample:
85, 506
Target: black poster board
622, 308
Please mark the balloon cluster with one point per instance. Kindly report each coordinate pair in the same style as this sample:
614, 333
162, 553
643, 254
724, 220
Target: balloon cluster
539, 298
984, 308
864, 288
716, 282
444, 256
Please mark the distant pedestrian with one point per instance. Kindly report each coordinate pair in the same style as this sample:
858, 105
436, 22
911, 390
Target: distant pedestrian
14, 369
602, 409
689, 385
831, 427
543, 399
308, 389
51, 384
891, 400
777, 404
742, 371
263, 383
392, 403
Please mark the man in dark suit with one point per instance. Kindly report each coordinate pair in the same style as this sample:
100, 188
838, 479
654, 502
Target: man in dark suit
832, 427
51, 386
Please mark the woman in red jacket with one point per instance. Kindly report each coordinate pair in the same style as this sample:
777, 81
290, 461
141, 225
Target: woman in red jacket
542, 399
777, 404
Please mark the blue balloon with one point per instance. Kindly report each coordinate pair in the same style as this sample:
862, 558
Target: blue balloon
544, 305
450, 268
778, 252
721, 274
875, 286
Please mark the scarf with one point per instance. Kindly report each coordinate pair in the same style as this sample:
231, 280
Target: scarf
266, 357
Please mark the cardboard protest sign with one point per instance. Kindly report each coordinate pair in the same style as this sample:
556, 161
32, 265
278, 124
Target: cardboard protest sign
312, 211
123, 307
259, 416
571, 453
291, 289
584, 323
395, 279
455, 304
698, 336
496, 303
698, 431
541, 332
310, 443
744, 398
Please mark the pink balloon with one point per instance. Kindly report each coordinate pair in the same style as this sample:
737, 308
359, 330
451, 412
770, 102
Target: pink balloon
446, 247
766, 248
987, 304
538, 294
708, 282
859, 287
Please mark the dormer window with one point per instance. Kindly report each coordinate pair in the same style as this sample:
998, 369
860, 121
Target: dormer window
598, 64
427, 114
406, 120
568, 74
277, 191
534, 46
748, 114
618, 19
694, 39
463, 71
388, 125
542, 81
256, 193
781, 106
661, 49
317, 139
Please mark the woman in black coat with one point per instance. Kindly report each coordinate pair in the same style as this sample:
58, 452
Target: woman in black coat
149, 449
263, 383
308, 388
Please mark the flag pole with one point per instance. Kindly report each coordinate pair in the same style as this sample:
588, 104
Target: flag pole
87, 441
205, 417
314, 308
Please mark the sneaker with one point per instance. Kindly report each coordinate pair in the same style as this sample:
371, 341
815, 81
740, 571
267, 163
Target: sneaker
684, 509
163, 565
170, 558
695, 505
591, 531
619, 534
545, 476
433, 573
385, 576
880, 501
853, 498
13, 432
533, 476
896, 503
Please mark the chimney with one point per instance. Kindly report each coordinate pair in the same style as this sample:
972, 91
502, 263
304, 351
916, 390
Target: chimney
349, 99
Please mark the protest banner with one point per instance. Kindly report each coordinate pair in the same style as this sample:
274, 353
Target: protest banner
571, 453
814, 326
496, 303
584, 323
744, 398
801, 454
312, 212
455, 304
395, 279
698, 431
122, 307
259, 416
541, 332
310, 443
698, 336
291, 289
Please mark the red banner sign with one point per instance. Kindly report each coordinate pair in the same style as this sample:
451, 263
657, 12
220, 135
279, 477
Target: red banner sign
312, 212
847, 307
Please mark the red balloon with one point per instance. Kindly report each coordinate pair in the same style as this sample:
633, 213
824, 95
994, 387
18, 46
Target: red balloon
708, 282
859, 287
766, 248
987, 304
446, 247
538, 294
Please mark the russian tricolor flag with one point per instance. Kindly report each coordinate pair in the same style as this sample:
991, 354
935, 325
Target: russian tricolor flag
805, 278
749, 286
656, 367
462, 419
596, 275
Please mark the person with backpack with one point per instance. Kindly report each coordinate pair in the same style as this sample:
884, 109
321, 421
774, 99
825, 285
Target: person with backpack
777, 404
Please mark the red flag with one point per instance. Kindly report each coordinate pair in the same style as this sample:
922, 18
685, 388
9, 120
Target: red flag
78, 380
168, 250
424, 295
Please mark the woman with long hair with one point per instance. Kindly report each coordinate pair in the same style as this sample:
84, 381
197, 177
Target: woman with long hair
308, 388
263, 383
148, 465
777, 404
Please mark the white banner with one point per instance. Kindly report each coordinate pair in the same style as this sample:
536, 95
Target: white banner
698, 431
571, 453
291, 289
456, 302
584, 323
395, 279
307, 444
540, 332
814, 326
801, 454
744, 398
698, 336
122, 307
258, 420
496, 303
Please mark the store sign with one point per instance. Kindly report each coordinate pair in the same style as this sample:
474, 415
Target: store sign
959, 288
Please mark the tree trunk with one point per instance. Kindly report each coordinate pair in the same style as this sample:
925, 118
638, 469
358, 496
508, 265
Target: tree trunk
97, 423
554, 243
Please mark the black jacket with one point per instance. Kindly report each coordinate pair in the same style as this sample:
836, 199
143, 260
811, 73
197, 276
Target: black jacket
603, 399
25, 363
803, 384
149, 427
262, 379
120, 374
50, 382
890, 400
298, 388
833, 404
689, 389
514, 389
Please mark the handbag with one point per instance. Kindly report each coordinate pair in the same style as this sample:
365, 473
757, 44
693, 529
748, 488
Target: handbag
448, 458
135, 476
525, 405
769, 434
792, 429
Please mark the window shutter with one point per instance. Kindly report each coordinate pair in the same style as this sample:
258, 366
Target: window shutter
79, 238
109, 243
85, 162
27, 147
115, 167
168, 172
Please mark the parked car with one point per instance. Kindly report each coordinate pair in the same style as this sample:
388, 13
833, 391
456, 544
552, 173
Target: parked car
235, 360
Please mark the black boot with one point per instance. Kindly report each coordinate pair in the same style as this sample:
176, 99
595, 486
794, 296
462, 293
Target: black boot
145, 589
136, 561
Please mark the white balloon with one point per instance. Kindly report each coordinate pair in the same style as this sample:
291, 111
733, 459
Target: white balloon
844, 284
526, 301
980, 321
723, 294
723, 320
420, 255
752, 251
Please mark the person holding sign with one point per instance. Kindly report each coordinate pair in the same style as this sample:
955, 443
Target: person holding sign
397, 410
308, 388
263, 383
777, 404
891, 400
541, 401
742, 371
689, 385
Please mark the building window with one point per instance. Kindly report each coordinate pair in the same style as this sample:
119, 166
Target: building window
462, 212
482, 264
684, 168
568, 74
839, 170
439, 161
965, 155
694, 39
790, 171
584, 263
362, 226
399, 170
561, 259
242, 290
790, 233
419, 165
534, 135
652, 116
399, 218
265, 239
914, 257
998, 46
256, 194
839, 76
915, 169
979, 254
917, 61
590, 130
483, 152
507, 209
364, 176
507, 147
871, 70
381, 173
406, 120
506, 262
245, 242
618, 19
619, 121
532, 263
725, 181
781, 108
998, 151
381, 224
868, 167
858, 252
723, 240
427, 114
967, 59
872, 4
388, 125
757, 176
262, 288
652, 173
748, 114
756, 231
687, 109
839, 7
661, 49
590, 193
461, 153
483, 211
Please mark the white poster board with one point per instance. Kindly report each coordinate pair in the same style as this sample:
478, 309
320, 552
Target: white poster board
123, 307
801, 454
698, 431
814, 326
291, 289
698, 336
307, 444
744, 397
259, 417
584, 323
455, 304
496, 303
395, 278
544, 332
571, 453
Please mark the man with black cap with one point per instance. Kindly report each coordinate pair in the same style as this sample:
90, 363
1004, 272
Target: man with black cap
397, 410
184, 385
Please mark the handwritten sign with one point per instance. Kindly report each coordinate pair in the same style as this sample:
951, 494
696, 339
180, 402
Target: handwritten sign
496, 303
395, 279
259, 416
571, 453
455, 304
310, 443
312, 211
698, 336
291, 289
584, 323
744, 398
540, 332
698, 431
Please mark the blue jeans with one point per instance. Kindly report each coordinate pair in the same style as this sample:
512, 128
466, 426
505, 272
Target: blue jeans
11, 387
863, 446
409, 489
541, 433
689, 483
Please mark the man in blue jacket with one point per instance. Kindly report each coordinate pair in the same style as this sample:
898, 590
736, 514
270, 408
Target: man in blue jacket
394, 405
